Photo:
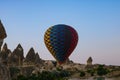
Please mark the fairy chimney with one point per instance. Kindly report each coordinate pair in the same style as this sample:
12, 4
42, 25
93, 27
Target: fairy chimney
4, 54
5, 48
30, 57
3, 34
16, 57
89, 61
37, 58
4, 73
19, 51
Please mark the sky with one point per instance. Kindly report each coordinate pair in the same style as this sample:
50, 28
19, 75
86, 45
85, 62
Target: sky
96, 21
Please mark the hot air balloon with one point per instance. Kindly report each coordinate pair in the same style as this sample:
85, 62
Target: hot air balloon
61, 40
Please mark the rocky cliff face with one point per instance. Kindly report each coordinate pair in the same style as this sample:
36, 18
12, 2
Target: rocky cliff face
3, 34
2, 31
19, 51
4, 73
37, 59
16, 57
30, 57
89, 61
33, 58
4, 54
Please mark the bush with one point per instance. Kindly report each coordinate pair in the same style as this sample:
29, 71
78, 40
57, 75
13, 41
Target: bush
91, 72
82, 73
64, 73
101, 70
21, 77
14, 72
45, 75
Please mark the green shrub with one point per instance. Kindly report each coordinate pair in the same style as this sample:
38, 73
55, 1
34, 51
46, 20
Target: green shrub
91, 72
101, 70
82, 73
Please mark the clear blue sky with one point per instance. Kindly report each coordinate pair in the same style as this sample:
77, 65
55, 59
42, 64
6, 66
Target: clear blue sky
96, 21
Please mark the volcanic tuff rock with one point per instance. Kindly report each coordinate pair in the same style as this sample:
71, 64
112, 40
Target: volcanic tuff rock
19, 52
2, 31
3, 34
37, 59
89, 61
30, 57
16, 57
4, 73
4, 54
27, 71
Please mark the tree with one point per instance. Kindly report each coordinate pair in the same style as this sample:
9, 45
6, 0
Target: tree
91, 72
101, 70
21, 77
14, 72
82, 73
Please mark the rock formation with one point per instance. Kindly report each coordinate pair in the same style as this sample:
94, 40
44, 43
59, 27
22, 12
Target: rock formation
3, 34
89, 61
68, 61
5, 48
30, 57
37, 59
19, 53
4, 73
49, 65
16, 57
4, 54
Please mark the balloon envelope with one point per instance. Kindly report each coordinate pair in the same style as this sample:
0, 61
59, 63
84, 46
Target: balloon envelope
61, 40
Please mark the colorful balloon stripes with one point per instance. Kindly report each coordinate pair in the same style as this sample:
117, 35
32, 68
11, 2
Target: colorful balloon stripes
61, 40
